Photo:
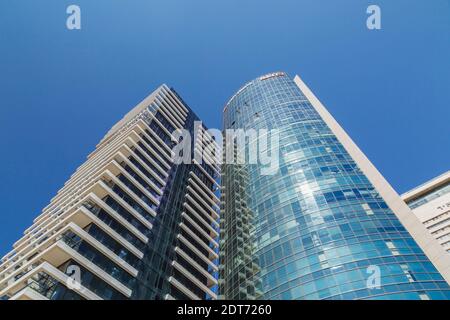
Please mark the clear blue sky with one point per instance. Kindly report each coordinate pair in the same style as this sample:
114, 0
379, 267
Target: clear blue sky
61, 90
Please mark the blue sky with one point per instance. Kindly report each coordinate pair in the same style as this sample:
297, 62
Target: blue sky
62, 90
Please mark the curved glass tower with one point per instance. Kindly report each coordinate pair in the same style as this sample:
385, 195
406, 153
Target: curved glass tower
326, 225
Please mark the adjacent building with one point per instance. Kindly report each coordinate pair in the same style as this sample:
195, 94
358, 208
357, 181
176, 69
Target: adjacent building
430, 202
129, 223
327, 223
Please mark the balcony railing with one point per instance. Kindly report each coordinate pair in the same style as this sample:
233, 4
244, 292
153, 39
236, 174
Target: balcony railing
43, 284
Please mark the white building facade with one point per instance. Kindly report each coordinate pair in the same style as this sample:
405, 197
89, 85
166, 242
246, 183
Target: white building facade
129, 223
430, 202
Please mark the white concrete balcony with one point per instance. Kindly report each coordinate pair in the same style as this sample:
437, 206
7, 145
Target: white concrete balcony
197, 252
198, 241
183, 289
194, 279
56, 251
25, 287
211, 280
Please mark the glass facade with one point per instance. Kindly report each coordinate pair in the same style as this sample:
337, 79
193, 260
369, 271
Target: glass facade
156, 266
317, 228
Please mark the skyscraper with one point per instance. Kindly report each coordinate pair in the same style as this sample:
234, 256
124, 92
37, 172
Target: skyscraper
327, 225
430, 202
129, 223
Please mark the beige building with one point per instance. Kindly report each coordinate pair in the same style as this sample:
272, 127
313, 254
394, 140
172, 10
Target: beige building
430, 202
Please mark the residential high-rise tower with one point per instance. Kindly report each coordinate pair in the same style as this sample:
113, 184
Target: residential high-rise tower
129, 223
